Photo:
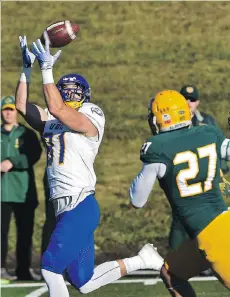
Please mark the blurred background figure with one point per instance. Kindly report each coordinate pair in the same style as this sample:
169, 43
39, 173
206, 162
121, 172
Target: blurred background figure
190, 92
20, 150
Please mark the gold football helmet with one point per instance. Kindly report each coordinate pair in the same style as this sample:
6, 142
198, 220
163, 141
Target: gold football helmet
168, 110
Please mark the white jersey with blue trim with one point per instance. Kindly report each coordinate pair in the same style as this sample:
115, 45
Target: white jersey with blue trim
71, 155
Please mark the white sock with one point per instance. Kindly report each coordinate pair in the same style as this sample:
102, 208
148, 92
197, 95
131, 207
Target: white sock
134, 263
55, 283
104, 274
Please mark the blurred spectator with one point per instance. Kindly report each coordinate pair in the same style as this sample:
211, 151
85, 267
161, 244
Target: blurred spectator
190, 92
20, 150
50, 218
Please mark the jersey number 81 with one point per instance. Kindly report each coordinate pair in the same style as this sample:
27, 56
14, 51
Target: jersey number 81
50, 148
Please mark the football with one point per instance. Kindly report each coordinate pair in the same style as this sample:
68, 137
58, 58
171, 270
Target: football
60, 34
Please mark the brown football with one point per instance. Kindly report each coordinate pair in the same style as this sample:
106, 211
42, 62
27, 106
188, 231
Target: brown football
60, 34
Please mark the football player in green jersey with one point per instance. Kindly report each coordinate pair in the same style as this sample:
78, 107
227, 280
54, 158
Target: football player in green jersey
177, 232
186, 161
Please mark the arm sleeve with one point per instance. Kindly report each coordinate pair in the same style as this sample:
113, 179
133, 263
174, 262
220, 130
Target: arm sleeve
30, 151
33, 117
225, 149
144, 182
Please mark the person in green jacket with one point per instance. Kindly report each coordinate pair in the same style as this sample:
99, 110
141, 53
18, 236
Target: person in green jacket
20, 150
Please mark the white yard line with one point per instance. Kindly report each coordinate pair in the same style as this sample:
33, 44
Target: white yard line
203, 278
153, 281
43, 288
124, 281
38, 292
22, 285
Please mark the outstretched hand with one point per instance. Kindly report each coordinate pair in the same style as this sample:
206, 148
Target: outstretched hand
43, 55
28, 58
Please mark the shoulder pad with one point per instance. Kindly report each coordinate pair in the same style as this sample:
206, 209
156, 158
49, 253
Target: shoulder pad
94, 113
151, 150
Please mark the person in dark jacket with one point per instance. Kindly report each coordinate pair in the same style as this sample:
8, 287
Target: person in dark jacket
190, 92
20, 150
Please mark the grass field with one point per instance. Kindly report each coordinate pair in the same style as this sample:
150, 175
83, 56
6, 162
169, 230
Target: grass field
128, 51
138, 289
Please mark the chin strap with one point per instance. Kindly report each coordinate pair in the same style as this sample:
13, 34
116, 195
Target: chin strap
74, 104
152, 124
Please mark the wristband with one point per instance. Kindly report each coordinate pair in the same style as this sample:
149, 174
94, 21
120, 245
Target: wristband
47, 76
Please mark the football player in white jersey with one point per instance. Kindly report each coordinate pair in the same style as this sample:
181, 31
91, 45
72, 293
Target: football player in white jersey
73, 129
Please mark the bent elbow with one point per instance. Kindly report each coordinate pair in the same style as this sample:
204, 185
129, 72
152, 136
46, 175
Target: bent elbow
54, 110
20, 108
136, 200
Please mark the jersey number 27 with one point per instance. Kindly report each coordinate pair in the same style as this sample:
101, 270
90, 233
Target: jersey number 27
193, 169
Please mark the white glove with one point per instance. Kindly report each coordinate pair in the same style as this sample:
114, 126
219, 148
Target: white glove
28, 58
44, 57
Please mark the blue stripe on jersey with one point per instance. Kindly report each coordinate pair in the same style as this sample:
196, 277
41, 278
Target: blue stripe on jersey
62, 148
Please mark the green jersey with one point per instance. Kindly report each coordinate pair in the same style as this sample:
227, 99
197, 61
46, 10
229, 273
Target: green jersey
191, 181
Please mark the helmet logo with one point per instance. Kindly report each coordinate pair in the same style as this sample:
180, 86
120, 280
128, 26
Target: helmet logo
70, 78
166, 118
97, 111
190, 89
8, 100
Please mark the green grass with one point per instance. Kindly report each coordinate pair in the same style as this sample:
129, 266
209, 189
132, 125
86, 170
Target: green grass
16, 292
203, 289
128, 51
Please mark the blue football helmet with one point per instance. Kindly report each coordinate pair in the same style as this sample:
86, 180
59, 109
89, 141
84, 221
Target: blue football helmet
74, 90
